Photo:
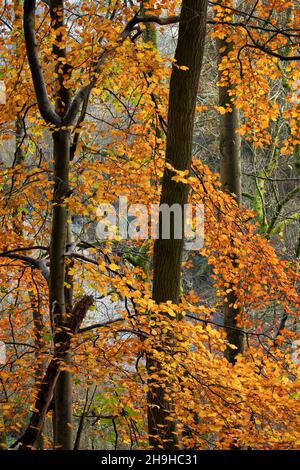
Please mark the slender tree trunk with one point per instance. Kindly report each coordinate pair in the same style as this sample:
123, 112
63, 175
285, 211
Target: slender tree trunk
60, 301
58, 240
38, 340
63, 390
49, 380
230, 150
168, 252
230, 141
18, 229
63, 418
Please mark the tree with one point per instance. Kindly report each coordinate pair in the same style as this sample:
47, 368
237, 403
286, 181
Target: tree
168, 252
129, 343
230, 150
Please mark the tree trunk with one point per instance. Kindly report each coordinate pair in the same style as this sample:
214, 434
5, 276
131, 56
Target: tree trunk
230, 150
168, 252
49, 380
61, 143
63, 391
63, 418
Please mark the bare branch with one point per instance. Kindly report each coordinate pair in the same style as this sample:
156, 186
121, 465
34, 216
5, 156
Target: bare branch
150, 19
100, 325
36, 263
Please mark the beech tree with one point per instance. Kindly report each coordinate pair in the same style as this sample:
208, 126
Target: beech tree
106, 347
168, 252
230, 150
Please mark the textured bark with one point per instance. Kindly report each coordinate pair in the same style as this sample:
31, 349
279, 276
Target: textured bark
63, 419
168, 253
230, 150
58, 241
57, 301
182, 102
230, 141
60, 297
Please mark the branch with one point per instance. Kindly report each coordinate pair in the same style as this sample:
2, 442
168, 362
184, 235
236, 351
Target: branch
85, 91
280, 206
150, 19
36, 263
45, 392
23, 248
80, 120
269, 51
45, 107
100, 325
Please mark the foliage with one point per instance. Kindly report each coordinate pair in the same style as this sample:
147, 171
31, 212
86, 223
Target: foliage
119, 147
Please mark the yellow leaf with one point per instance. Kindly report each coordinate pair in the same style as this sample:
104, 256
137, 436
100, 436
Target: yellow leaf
113, 267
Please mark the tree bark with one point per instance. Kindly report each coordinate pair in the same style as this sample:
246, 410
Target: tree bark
230, 150
59, 118
57, 301
168, 252
60, 300
63, 418
49, 380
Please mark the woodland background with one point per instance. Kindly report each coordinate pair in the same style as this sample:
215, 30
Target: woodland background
133, 344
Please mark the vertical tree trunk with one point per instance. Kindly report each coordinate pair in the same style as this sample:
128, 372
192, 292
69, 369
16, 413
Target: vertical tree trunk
58, 239
57, 293
168, 253
49, 380
230, 150
57, 301
63, 418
